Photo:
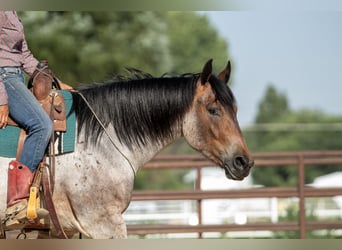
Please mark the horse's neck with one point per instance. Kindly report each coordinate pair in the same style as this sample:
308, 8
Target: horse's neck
137, 156
140, 156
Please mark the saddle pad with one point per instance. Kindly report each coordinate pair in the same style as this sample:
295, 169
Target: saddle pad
65, 141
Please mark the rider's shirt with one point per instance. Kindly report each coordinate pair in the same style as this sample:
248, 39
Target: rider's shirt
14, 51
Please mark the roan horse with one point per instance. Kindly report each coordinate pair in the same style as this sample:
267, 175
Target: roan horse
122, 125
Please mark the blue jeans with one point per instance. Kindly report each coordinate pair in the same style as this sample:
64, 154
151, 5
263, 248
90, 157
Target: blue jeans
27, 112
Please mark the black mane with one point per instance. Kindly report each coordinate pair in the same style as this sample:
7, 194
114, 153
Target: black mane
142, 108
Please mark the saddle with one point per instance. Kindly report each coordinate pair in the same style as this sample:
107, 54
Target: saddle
44, 86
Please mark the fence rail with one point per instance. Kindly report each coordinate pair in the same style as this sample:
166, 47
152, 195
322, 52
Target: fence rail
301, 160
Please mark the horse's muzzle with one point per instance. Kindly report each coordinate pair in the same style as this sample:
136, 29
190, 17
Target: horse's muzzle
238, 167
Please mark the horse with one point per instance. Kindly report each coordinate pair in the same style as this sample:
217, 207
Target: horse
121, 125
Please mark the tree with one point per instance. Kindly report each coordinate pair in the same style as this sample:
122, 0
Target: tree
193, 41
84, 47
274, 108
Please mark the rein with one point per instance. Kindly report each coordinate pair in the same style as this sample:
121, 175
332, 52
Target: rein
106, 132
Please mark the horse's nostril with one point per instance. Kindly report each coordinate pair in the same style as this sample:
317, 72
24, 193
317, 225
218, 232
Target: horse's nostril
240, 161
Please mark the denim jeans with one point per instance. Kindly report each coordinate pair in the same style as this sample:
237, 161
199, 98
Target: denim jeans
27, 112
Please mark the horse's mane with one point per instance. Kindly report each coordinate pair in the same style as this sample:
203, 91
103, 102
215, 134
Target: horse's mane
141, 107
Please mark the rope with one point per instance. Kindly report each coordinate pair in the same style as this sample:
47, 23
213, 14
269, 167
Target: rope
105, 130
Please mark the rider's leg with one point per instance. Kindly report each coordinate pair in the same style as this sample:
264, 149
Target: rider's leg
27, 112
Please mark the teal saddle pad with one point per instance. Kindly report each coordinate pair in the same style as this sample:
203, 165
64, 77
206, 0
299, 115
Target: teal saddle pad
66, 140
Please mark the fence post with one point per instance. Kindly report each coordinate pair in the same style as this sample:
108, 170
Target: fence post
199, 201
301, 185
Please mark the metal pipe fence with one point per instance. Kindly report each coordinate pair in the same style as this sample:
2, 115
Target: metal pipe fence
301, 160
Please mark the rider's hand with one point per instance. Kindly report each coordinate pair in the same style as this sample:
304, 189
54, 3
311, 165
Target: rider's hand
3, 115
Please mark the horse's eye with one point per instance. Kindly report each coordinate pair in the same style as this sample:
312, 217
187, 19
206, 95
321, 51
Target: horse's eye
213, 111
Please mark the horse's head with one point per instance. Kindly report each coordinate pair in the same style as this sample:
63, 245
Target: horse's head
211, 126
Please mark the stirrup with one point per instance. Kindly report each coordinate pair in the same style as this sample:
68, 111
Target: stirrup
32, 204
34, 209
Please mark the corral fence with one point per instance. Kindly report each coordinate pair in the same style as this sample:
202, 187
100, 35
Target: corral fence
301, 160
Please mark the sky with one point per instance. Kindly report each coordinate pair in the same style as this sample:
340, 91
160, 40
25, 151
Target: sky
298, 52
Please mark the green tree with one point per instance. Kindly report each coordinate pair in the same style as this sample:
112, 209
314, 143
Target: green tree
193, 41
272, 106
274, 109
84, 47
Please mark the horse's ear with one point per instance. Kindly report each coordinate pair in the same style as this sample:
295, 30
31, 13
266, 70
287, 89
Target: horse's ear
225, 74
206, 72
